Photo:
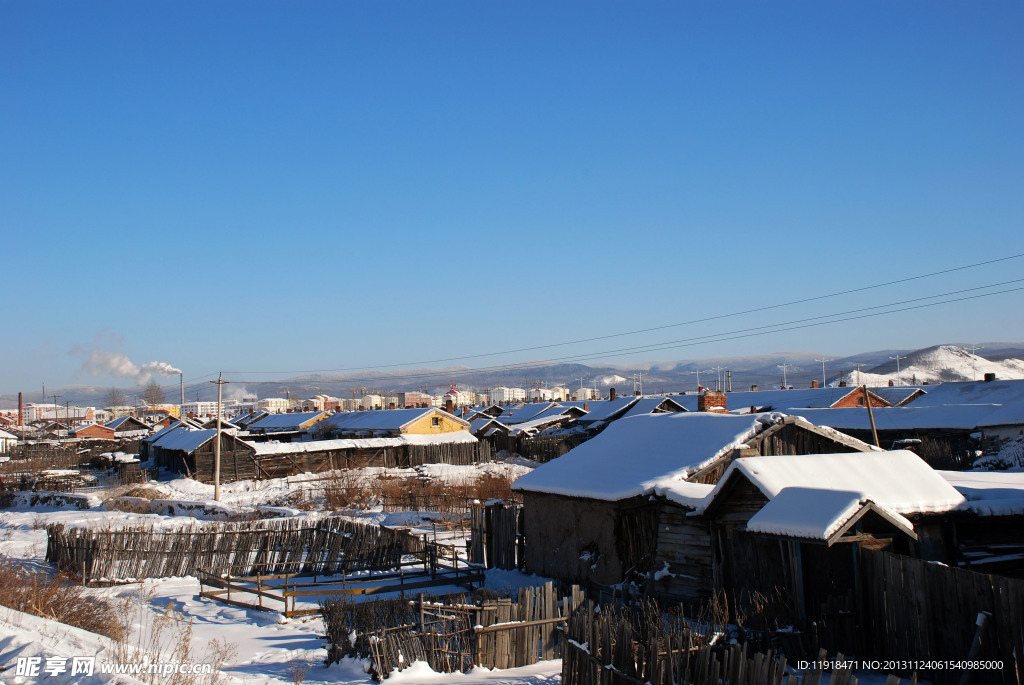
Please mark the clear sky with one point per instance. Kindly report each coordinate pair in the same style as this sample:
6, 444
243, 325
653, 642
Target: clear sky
295, 186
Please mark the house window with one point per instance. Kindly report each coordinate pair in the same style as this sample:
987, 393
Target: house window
435, 421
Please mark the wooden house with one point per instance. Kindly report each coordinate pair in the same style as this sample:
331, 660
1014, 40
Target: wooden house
794, 523
616, 507
92, 431
394, 422
130, 427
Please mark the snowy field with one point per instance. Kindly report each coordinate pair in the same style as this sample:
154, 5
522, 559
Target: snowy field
264, 648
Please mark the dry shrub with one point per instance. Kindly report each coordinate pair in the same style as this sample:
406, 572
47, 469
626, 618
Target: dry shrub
413, 493
34, 592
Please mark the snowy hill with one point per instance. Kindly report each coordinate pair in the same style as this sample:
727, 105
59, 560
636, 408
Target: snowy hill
941, 364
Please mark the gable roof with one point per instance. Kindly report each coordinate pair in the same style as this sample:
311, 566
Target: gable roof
899, 480
652, 405
646, 453
118, 423
820, 515
608, 410
385, 419
286, 422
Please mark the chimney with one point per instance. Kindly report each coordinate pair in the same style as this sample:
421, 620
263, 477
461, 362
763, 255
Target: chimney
21, 412
712, 401
842, 384
448, 406
815, 384
611, 393
891, 384
191, 415
989, 377
391, 405
753, 388
586, 406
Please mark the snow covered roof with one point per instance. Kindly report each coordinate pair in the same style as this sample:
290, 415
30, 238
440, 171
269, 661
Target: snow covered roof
948, 417
606, 410
186, 440
899, 480
485, 424
131, 420
536, 424
802, 398
268, 448
645, 453
647, 405
989, 493
385, 419
286, 422
819, 514
530, 411
4, 435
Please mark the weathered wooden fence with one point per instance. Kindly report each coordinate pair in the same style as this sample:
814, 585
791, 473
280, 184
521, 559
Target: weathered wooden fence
496, 535
916, 611
542, 448
326, 546
452, 635
642, 646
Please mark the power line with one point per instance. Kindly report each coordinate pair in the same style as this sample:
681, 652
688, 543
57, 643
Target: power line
659, 328
799, 324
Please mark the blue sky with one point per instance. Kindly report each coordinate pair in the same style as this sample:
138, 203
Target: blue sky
300, 186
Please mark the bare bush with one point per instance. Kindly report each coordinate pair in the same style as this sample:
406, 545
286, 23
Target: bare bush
57, 598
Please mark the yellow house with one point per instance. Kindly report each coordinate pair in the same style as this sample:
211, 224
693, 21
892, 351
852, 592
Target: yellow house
394, 422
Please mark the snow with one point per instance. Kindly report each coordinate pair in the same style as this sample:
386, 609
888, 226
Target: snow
811, 513
265, 448
385, 419
898, 480
643, 453
268, 645
989, 493
944, 363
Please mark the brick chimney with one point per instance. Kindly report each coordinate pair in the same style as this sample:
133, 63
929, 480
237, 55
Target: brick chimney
611, 393
448, 406
815, 384
711, 400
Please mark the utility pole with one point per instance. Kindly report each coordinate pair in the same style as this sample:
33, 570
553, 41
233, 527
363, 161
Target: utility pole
785, 383
216, 446
718, 377
871, 414
56, 419
858, 372
897, 358
823, 360
974, 359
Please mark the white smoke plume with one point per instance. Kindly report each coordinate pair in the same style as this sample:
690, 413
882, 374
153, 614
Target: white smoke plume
106, 363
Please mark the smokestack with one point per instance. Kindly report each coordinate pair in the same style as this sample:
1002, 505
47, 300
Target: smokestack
21, 411
611, 393
728, 376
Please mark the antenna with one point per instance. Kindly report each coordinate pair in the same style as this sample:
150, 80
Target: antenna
823, 360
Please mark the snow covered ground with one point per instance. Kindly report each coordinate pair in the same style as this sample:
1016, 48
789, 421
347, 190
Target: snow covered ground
945, 363
268, 648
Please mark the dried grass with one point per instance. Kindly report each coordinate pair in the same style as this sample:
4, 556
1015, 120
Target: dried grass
344, 490
34, 592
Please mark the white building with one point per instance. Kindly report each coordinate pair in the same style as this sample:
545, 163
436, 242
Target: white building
59, 412
371, 402
560, 394
202, 409
502, 395
7, 442
274, 405
586, 394
541, 395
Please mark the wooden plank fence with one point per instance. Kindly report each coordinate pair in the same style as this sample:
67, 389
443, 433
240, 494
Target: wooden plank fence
608, 646
496, 538
913, 610
452, 636
329, 545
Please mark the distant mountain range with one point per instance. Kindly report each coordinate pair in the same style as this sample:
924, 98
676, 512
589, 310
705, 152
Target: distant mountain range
951, 362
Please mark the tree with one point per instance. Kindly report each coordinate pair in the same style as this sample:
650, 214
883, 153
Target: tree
153, 394
116, 398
